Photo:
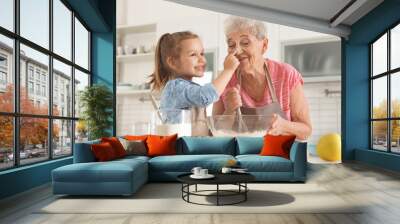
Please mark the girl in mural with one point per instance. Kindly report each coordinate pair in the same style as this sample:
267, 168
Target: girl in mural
179, 58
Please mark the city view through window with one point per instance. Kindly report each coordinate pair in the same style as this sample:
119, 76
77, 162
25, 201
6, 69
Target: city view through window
385, 82
48, 74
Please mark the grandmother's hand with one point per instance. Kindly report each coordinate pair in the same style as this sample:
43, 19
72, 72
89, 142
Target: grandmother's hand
278, 125
232, 100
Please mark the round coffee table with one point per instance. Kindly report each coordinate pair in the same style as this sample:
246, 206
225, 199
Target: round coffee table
238, 179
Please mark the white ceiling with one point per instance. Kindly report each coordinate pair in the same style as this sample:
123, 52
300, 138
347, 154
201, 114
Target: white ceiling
315, 15
320, 9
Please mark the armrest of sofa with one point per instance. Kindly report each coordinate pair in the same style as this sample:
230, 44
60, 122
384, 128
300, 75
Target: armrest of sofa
83, 152
298, 155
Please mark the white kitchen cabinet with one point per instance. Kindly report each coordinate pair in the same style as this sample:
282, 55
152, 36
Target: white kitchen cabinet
135, 54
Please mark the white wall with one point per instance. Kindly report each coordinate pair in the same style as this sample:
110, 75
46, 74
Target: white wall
172, 17
325, 110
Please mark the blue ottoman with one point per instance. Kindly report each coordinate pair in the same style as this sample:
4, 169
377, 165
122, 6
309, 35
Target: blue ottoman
118, 177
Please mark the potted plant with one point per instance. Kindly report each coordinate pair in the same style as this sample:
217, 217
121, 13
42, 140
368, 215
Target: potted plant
96, 103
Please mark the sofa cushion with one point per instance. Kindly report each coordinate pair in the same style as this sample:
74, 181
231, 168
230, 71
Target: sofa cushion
249, 145
257, 163
277, 145
161, 145
116, 145
134, 147
185, 163
103, 152
206, 145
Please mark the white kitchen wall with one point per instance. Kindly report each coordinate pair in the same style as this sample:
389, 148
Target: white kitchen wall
172, 17
325, 109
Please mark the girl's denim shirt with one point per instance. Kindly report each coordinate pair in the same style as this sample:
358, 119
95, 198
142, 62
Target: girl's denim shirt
181, 94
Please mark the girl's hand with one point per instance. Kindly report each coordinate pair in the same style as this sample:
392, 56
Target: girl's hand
231, 62
230, 65
232, 100
277, 125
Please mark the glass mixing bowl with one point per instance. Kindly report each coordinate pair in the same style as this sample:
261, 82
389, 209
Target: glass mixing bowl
244, 125
171, 121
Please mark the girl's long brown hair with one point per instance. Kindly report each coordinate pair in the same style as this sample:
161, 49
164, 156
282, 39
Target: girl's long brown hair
168, 46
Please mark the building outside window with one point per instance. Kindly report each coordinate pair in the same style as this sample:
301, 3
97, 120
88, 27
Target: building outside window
43, 78
38, 89
55, 96
30, 72
37, 74
3, 72
30, 87
3, 61
62, 86
3, 78
3, 81
43, 90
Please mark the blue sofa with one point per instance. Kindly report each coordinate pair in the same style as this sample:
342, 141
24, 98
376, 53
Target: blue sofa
125, 176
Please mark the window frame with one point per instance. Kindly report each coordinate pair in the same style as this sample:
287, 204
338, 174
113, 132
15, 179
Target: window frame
15, 71
389, 73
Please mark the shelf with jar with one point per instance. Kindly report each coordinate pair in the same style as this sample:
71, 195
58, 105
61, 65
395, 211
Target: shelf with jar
135, 57
129, 29
136, 42
127, 89
140, 94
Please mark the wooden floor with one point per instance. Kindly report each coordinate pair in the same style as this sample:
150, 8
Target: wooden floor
378, 188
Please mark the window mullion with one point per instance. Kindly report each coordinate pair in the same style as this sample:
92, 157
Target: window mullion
50, 81
16, 84
73, 82
371, 124
89, 55
389, 104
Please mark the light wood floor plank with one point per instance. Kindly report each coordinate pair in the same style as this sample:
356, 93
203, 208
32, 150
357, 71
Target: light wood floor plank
376, 190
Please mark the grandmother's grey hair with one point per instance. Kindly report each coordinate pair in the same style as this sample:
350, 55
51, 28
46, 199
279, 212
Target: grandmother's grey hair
236, 23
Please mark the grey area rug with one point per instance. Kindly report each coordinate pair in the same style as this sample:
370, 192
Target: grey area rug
166, 198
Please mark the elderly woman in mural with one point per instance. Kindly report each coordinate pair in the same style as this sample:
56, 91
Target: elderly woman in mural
263, 86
